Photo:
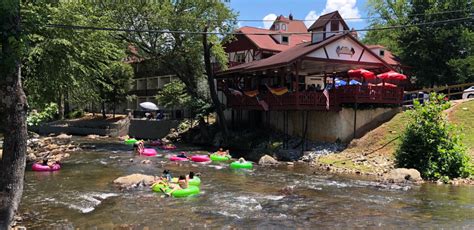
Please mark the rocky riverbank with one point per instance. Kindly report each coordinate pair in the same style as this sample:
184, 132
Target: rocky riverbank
53, 148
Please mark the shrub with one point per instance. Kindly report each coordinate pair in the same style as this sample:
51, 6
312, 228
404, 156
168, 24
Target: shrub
47, 114
431, 145
75, 114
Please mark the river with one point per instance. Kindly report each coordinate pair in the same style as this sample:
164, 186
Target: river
82, 196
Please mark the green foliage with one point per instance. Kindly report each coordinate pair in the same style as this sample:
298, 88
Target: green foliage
75, 114
49, 112
438, 53
61, 60
114, 84
431, 145
175, 95
182, 54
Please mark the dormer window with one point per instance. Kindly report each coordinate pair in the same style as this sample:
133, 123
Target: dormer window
284, 39
334, 25
283, 27
382, 53
277, 27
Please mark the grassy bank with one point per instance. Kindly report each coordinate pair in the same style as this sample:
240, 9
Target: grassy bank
463, 116
374, 152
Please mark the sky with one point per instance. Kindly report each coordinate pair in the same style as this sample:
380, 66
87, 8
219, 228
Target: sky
301, 9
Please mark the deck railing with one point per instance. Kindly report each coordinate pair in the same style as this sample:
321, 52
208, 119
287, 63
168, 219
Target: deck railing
315, 100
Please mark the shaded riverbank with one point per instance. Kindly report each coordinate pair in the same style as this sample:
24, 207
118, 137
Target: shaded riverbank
82, 195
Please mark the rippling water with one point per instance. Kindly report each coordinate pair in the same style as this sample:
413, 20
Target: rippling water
82, 195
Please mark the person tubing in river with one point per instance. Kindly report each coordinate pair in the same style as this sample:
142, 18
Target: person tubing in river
182, 155
182, 184
138, 147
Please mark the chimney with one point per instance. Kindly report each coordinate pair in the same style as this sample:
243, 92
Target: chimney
354, 33
290, 17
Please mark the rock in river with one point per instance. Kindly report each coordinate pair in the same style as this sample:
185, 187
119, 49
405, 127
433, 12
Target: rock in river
267, 160
401, 175
134, 180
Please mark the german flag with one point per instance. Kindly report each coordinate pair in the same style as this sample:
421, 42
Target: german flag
277, 91
251, 93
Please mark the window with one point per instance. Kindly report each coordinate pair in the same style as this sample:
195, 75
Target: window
334, 25
284, 39
277, 27
283, 27
240, 57
382, 53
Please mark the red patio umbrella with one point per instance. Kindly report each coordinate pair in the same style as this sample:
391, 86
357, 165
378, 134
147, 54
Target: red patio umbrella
392, 75
361, 73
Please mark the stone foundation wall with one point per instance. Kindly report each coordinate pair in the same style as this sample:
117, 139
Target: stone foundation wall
328, 126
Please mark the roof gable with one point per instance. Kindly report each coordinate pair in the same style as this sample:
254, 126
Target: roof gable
316, 50
326, 18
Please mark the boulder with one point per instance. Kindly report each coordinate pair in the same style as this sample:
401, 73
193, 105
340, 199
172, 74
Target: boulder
64, 136
92, 136
402, 175
134, 180
146, 162
31, 157
267, 160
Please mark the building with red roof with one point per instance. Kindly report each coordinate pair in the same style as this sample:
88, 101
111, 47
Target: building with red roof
258, 43
287, 70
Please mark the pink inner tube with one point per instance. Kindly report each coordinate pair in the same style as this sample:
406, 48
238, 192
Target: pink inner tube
172, 147
200, 158
149, 152
44, 168
176, 158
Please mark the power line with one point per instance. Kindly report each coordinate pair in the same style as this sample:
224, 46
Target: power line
353, 18
77, 27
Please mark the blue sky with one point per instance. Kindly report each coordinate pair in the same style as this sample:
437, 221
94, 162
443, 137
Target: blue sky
301, 9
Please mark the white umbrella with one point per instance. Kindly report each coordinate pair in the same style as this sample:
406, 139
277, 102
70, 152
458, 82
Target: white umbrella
149, 106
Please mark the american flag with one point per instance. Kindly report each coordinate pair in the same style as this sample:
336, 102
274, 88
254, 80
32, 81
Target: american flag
326, 94
262, 103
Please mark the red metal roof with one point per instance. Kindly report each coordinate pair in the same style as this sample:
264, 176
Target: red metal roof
266, 42
290, 55
284, 57
387, 57
294, 26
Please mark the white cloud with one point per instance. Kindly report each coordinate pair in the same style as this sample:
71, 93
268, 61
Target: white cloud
268, 20
347, 9
310, 18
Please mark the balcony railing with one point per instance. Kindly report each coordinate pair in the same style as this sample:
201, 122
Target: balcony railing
315, 100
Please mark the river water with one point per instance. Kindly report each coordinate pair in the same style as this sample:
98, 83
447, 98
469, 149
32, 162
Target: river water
82, 196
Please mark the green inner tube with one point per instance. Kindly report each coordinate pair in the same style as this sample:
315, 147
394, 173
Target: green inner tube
215, 157
158, 187
238, 165
191, 190
130, 141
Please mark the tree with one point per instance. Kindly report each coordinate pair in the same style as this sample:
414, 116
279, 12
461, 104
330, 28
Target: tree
436, 53
114, 84
431, 145
182, 53
13, 107
60, 60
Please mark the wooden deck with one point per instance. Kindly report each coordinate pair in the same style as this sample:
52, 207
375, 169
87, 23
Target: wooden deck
315, 100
